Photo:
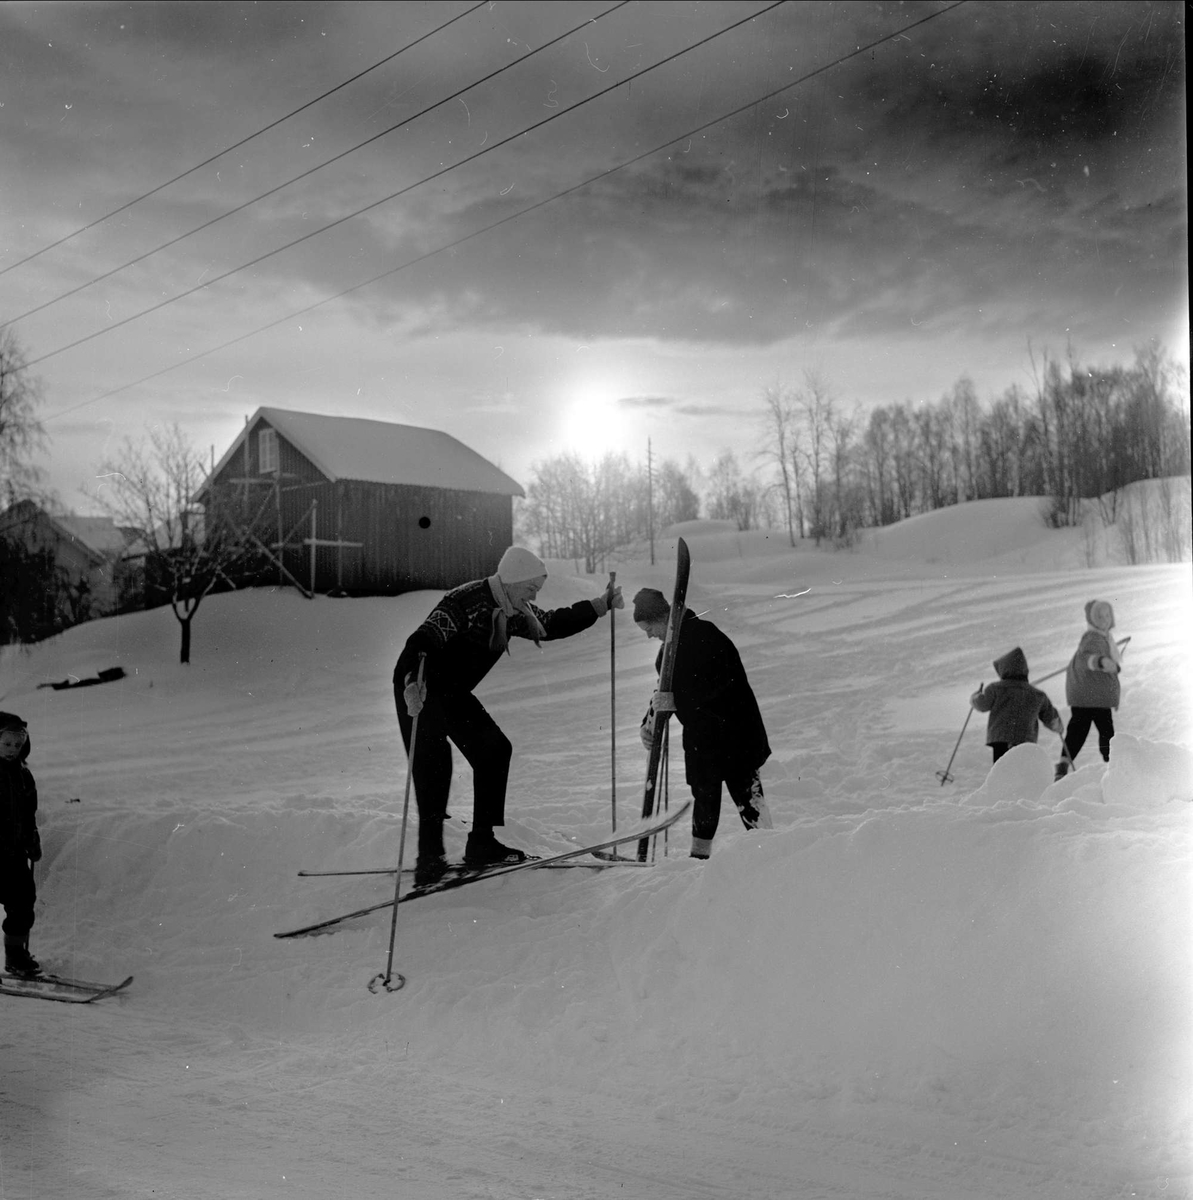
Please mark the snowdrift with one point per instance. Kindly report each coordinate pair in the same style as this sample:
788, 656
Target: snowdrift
993, 978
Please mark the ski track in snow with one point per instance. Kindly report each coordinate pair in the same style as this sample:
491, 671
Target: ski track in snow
905, 992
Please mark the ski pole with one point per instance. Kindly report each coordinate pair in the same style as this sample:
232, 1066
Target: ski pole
385, 980
613, 699
1064, 755
1054, 674
944, 775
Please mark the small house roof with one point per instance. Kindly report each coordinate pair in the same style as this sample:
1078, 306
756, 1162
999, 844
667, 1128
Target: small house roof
100, 533
98, 537
379, 452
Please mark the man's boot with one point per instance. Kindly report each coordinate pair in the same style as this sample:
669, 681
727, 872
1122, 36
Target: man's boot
17, 959
484, 850
432, 861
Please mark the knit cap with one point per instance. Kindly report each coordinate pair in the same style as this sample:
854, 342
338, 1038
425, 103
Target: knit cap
518, 565
651, 605
1100, 615
11, 721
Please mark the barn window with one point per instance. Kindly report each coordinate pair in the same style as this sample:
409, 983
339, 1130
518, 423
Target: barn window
267, 451
424, 522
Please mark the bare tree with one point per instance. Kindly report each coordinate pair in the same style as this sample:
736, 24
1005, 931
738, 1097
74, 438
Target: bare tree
815, 403
780, 440
903, 456
188, 551
879, 467
966, 414
932, 430
583, 510
731, 496
845, 516
21, 433
676, 499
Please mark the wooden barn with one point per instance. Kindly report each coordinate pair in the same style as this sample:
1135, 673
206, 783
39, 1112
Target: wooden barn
363, 507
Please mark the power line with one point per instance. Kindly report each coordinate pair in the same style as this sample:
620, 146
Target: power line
511, 216
318, 167
235, 146
306, 237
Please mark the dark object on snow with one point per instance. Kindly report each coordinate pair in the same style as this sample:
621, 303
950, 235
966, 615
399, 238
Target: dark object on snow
109, 675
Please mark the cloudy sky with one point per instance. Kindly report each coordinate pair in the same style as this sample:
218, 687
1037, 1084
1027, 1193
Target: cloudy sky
576, 226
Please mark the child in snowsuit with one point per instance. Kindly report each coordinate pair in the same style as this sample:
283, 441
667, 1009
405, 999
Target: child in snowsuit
20, 845
463, 637
1016, 708
724, 739
1091, 685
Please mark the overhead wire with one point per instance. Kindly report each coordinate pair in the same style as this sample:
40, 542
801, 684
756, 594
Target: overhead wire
604, 174
306, 237
318, 167
237, 145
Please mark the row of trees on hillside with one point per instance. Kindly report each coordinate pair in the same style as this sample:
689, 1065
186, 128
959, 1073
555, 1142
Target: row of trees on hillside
1080, 433
826, 471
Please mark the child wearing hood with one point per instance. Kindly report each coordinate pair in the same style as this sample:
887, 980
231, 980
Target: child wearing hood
20, 845
1091, 685
1016, 708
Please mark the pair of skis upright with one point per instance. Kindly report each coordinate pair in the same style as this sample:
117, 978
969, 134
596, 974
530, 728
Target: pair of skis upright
683, 568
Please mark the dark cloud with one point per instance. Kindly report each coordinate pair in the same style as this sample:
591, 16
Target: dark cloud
707, 410
645, 402
992, 158
923, 185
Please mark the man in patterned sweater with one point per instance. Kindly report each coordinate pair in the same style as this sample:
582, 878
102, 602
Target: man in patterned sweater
462, 638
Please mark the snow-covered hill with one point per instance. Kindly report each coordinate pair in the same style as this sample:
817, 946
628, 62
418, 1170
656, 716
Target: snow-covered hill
907, 990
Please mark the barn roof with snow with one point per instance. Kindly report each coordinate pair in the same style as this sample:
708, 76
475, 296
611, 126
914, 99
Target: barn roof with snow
380, 452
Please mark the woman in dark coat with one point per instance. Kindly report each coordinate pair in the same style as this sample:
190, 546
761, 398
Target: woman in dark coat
724, 739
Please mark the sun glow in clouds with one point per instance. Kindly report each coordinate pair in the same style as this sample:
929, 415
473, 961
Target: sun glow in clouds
592, 423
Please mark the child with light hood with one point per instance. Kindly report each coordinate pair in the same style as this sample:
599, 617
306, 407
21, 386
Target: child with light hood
1091, 685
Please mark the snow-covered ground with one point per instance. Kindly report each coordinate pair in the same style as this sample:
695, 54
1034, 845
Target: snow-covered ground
976, 991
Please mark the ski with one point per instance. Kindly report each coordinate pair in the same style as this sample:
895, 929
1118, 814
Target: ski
611, 858
55, 987
683, 567
461, 880
454, 869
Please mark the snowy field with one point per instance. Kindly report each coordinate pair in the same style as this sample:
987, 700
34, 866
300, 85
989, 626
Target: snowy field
906, 991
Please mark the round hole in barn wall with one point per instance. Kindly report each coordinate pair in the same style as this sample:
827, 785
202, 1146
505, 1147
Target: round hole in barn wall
424, 522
